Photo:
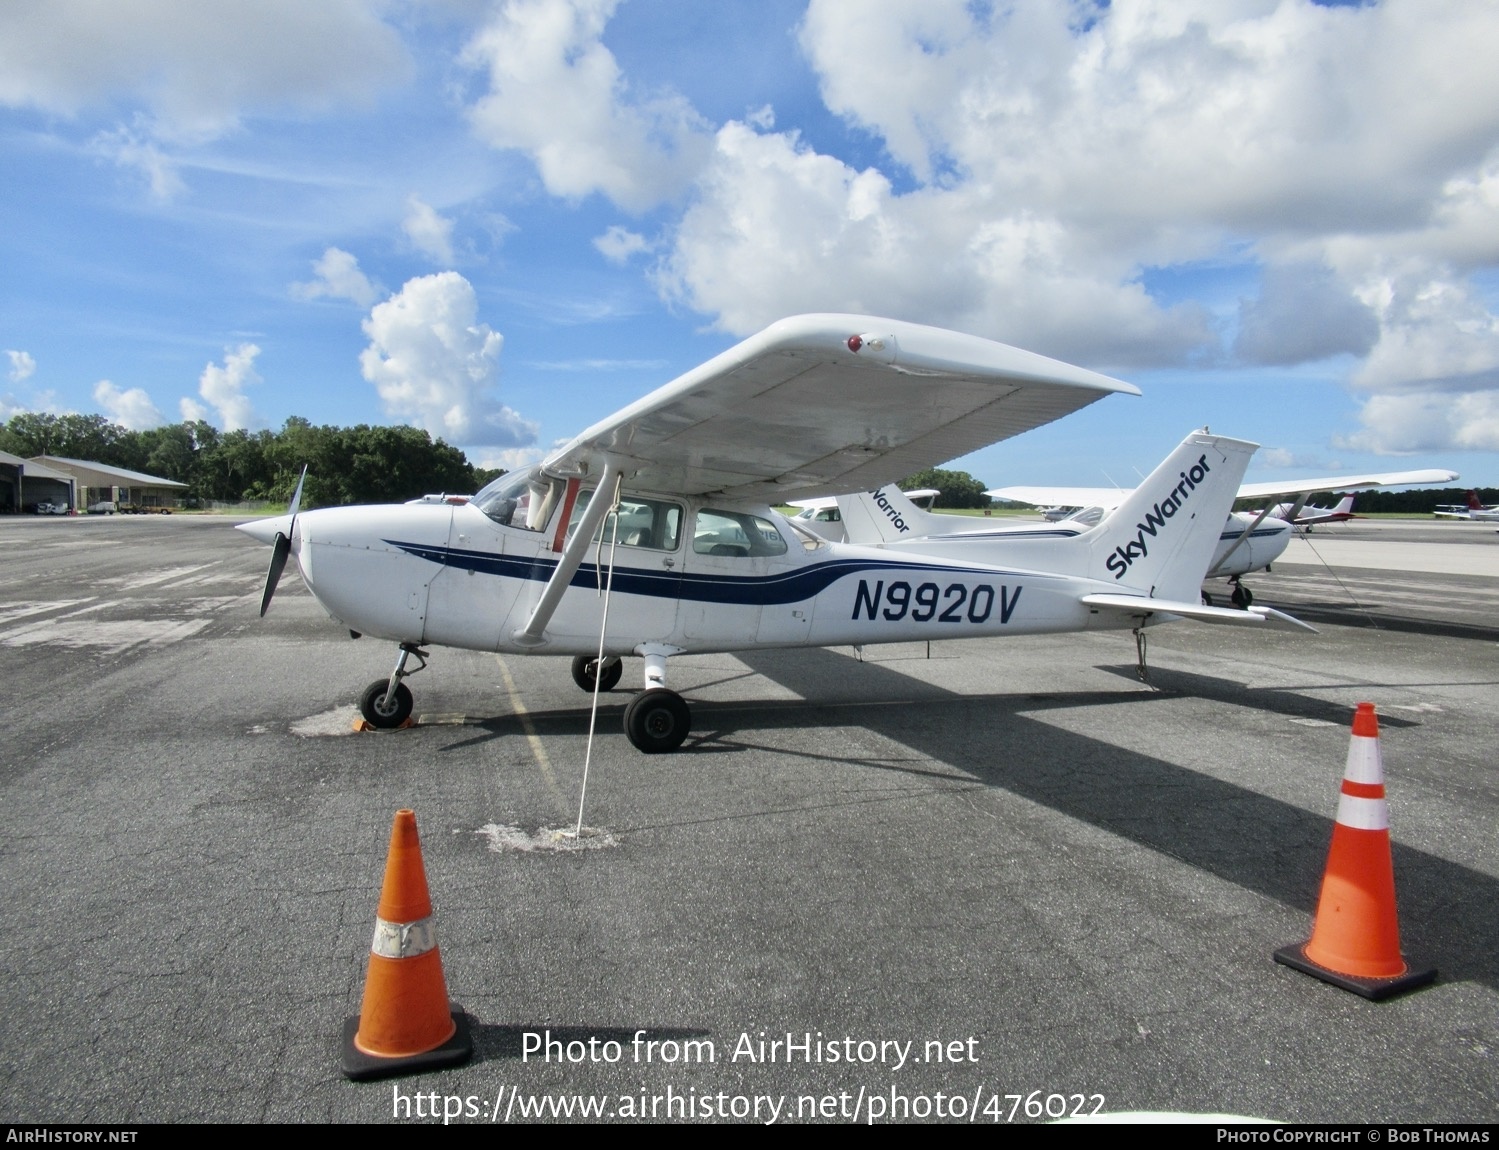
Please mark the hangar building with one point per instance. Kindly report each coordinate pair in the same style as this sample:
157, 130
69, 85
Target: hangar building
101, 483
24, 483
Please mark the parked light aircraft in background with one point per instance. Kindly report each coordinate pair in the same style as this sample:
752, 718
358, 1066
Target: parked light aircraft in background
1251, 540
822, 517
1472, 509
672, 497
1309, 517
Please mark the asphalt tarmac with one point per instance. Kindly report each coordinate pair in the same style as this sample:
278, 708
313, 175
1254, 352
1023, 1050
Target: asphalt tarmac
985, 879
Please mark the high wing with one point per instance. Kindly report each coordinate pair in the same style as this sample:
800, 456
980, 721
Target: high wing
1344, 483
1109, 497
826, 404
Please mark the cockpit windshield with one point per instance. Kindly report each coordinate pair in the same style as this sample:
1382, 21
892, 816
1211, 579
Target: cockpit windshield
523, 499
1087, 517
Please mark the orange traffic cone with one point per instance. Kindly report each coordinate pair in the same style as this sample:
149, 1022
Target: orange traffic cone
1355, 941
406, 1024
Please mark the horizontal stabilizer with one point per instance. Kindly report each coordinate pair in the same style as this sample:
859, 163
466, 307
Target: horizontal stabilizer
1252, 616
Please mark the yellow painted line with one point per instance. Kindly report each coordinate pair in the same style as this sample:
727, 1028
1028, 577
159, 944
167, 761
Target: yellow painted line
537, 750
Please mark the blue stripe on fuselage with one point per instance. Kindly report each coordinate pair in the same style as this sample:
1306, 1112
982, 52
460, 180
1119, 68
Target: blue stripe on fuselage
764, 590
1231, 534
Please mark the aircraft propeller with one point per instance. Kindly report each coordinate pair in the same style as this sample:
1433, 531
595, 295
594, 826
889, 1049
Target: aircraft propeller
281, 548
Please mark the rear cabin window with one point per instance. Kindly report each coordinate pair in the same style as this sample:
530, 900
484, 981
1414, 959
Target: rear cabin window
736, 534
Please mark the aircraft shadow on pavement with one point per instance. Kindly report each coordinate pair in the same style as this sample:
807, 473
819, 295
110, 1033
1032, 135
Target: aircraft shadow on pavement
1449, 912
1276, 700
1373, 618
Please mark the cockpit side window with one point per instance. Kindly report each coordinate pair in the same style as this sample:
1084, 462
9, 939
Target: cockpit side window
735, 534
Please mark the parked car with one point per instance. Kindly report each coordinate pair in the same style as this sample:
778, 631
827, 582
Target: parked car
51, 508
103, 507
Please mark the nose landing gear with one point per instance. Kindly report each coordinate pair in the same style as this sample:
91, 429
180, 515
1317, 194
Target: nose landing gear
387, 703
585, 667
1242, 597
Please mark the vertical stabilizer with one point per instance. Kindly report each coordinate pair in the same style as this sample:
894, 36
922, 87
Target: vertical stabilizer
1161, 539
885, 515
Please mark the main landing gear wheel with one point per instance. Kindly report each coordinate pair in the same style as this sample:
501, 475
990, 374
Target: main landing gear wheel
377, 712
657, 721
583, 668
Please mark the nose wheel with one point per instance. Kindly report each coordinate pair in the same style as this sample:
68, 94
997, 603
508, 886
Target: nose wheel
382, 709
1242, 597
585, 668
386, 703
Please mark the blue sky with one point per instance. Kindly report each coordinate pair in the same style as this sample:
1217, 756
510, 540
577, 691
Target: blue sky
502, 221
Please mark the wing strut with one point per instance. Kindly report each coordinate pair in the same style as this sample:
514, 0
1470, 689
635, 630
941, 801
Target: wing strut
572, 557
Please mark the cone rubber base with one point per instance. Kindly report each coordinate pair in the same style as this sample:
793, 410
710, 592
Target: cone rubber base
1376, 989
362, 1067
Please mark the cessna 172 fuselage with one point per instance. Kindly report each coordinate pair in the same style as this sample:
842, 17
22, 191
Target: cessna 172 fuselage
651, 534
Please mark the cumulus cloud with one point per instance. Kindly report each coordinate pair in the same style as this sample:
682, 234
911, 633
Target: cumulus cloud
224, 389
618, 244
22, 366
1050, 169
194, 67
133, 148
1303, 313
180, 72
1405, 423
779, 228
596, 134
1282, 458
428, 232
131, 408
433, 363
337, 276
510, 459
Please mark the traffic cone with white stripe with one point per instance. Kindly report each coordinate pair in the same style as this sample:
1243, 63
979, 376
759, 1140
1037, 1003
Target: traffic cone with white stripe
406, 1024
1355, 941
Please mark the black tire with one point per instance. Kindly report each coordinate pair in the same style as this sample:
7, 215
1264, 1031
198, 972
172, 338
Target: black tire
583, 666
1242, 596
657, 721
1207, 600
374, 696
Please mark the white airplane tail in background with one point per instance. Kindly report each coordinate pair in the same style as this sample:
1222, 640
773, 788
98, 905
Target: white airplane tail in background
887, 515
1160, 541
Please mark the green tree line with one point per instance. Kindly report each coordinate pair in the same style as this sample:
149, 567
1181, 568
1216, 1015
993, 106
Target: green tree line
360, 464
958, 488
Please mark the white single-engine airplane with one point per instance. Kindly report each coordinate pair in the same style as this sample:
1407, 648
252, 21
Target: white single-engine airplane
1472, 509
671, 496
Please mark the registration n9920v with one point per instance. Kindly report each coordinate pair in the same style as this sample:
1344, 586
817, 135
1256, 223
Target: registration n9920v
933, 602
